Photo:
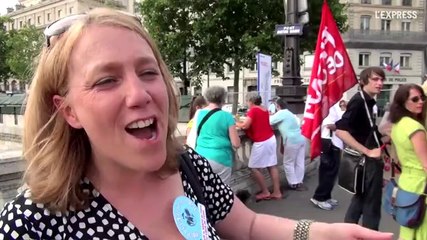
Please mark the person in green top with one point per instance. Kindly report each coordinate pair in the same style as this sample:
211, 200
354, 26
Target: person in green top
408, 135
218, 136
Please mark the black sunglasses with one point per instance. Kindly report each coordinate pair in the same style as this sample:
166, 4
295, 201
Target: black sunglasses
60, 26
418, 98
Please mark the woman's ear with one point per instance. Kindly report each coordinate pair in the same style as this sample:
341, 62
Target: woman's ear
66, 111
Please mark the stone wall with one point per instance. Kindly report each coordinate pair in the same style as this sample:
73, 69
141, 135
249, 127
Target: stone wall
11, 133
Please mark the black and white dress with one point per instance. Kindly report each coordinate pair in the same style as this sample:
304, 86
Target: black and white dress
24, 219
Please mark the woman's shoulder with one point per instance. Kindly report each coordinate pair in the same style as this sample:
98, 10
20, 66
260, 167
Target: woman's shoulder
406, 126
408, 122
24, 218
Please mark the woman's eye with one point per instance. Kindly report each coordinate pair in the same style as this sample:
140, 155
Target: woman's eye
105, 81
149, 73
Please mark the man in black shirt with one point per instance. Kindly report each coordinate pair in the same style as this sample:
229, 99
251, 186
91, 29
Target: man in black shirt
355, 131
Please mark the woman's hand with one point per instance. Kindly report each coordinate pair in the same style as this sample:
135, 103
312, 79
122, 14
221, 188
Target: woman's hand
373, 153
345, 231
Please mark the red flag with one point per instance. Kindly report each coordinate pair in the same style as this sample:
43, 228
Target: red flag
331, 76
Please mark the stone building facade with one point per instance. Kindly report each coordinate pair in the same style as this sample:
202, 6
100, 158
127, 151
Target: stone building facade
388, 33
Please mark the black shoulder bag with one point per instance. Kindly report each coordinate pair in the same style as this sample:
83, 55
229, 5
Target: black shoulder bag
190, 172
205, 118
351, 174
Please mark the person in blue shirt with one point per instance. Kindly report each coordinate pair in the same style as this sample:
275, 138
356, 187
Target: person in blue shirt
293, 144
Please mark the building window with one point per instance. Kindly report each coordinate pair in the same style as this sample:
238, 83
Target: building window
405, 60
364, 59
406, 26
230, 92
70, 10
12, 26
385, 59
197, 91
366, 1
39, 19
274, 65
385, 24
386, 2
229, 69
59, 13
407, 3
252, 89
20, 24
29, 21
48, 17
365, 22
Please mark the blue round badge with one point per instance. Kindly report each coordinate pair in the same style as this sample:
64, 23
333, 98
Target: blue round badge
187, 218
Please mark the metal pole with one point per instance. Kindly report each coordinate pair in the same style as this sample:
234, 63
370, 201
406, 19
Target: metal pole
285, 6
209, 73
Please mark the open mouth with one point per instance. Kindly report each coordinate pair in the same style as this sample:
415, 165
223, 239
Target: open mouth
143, 129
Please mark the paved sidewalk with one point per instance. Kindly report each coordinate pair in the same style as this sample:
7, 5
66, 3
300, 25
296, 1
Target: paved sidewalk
298, 206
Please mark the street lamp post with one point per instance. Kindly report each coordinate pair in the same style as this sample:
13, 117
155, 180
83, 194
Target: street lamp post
291, 89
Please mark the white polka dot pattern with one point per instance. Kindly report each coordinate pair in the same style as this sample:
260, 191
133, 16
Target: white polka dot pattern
24, 219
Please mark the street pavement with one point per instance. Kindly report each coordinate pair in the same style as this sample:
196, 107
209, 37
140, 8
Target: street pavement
298, 206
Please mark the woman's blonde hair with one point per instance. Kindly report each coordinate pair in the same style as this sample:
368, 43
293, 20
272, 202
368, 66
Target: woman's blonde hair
57, 154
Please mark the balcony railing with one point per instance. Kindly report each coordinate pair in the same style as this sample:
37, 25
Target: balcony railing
383, 39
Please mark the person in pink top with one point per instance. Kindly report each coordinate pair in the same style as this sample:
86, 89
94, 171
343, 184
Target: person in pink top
263, 153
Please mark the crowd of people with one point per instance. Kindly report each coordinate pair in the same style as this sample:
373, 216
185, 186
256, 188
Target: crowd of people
351, 124
103, 161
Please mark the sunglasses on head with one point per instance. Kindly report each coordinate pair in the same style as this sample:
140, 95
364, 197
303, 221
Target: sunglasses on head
416, 99
60, 26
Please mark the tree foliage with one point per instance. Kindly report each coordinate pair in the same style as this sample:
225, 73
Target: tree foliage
213, 34
23, 47
170, 23
315, 13
4, 68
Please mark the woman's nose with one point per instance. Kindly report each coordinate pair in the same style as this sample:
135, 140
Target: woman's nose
136, 93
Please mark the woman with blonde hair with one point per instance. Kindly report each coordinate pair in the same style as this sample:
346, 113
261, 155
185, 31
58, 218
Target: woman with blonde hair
102, 159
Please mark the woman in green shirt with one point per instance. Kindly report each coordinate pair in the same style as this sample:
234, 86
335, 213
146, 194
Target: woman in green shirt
407, 113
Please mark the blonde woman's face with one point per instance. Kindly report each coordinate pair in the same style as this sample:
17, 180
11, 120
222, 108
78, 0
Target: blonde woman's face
118, 96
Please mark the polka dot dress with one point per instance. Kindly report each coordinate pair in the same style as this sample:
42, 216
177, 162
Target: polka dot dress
24, 219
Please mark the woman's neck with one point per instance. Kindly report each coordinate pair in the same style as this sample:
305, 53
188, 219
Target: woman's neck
212, 106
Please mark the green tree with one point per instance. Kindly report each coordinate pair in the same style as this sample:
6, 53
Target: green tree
170, 23
315, 12
24, 46
4, 68
223, 33
231, 32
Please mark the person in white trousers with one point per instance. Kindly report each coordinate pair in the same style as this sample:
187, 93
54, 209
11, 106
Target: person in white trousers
293, 144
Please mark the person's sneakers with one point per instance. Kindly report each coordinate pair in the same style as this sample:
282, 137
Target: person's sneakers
333, 202
323, 205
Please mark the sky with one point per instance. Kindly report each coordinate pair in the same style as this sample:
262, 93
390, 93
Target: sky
6, 3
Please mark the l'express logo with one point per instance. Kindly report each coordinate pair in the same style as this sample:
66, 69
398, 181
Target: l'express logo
405, 15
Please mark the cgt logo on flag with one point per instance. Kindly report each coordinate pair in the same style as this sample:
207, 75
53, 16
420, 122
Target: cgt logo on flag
331, 76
